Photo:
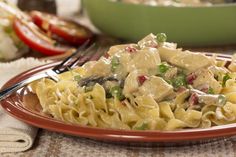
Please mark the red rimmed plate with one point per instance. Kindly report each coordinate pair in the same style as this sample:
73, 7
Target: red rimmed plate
23, 106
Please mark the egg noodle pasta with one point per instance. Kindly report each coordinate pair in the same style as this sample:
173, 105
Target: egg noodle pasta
151, 85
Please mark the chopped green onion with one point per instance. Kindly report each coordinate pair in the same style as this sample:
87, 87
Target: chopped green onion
116, 91
222, 100
211, 91
161, 37
179, 81
144, 126
114, 63
163, 68
225, 79
77, 78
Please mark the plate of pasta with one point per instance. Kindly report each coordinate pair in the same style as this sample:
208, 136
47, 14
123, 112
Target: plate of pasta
151, 91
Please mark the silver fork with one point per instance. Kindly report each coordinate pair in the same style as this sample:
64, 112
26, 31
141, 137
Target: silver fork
79, 57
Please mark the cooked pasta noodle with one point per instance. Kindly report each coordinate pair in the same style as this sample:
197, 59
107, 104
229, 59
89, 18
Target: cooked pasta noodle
151, 85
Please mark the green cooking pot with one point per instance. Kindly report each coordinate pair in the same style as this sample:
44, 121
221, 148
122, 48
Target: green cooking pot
188, 26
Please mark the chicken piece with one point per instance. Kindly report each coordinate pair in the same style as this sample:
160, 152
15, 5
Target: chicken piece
148, 41
131, 82
124, 66
156, 87
184, 59
119, 49
116, 49
151, 41
147, 58
204, 76
101, 67
169, 45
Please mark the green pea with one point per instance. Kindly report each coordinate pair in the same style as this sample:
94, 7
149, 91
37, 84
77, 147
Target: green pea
144, 126
163, 68
161, 37
116, 91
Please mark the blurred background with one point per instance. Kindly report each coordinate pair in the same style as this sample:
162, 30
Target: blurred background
62, 7
208, 27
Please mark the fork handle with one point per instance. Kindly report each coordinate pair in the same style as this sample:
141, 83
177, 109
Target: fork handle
9, 90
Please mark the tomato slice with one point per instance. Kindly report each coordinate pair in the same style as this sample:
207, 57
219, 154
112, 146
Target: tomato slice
35, 39
70, 31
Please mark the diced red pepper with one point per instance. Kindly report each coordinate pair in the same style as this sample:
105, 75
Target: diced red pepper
142, 79
106, 55
130, 49
151, 43
204, 88
193, 100
191, 77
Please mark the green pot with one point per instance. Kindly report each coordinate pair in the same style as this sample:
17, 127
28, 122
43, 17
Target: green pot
188, 26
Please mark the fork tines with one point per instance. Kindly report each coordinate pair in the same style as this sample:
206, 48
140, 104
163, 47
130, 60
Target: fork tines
69, 58
79, 57
84, 56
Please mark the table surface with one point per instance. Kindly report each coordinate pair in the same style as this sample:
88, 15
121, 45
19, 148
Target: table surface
50, 144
